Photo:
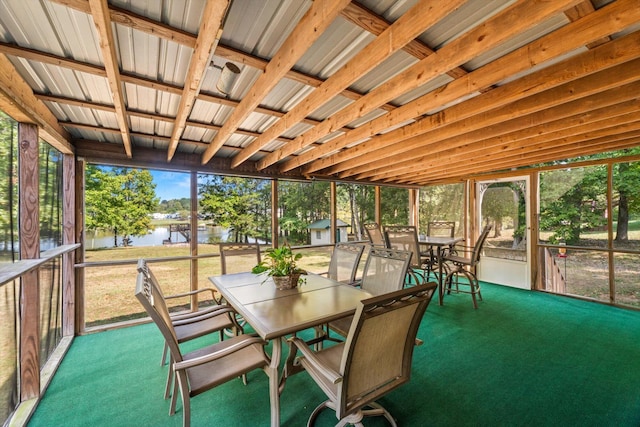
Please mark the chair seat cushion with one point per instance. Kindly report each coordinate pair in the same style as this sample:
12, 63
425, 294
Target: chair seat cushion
341, 326
211, 374
203, 327
329, 357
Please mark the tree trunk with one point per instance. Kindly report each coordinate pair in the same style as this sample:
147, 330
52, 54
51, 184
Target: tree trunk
623, 219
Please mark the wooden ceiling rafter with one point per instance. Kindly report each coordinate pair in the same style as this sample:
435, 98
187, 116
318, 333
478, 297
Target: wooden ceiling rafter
580, 146
17, 100
487, 35
313, 24
208, 38
551, 104
522, 130
100, 12
472, 114
594, 127
409, 26
555, 44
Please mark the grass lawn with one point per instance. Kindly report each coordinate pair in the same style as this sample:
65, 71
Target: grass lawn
109, 289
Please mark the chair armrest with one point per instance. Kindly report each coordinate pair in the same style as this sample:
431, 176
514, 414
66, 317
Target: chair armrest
186, 294
197, 317
310, 356
248, 341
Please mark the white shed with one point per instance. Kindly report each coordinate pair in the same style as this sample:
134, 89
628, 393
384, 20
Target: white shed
321, 232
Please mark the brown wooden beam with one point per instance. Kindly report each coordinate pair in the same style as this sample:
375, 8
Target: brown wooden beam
29, 201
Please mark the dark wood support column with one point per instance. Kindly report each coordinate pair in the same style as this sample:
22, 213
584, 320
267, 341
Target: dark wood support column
68, 237
29, 207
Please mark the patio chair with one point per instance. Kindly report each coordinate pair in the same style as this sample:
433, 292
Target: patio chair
374, 360
405, 238
374, 232
466, 266
207, 367
192, 325
344, 263
439, 229
238, 257
385, 271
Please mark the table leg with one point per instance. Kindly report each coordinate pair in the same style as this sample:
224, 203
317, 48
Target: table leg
274, 381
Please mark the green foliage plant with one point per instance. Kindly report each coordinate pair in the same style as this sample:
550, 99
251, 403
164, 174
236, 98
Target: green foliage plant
279, 262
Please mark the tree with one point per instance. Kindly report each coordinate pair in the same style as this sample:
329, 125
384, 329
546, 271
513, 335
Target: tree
236, 203
442, 203
361, 205
120, 200
395, 206
300, 204
574, 200
626, 181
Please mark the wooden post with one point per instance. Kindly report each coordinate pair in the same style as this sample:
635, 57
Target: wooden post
377, 206
274, 213
413, 208
79, 253
29, 207
537, 268
193, 244
334, 212
68, 237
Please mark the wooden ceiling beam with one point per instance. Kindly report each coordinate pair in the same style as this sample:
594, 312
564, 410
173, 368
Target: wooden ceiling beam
566, 114
313, 24
18, 101
581, 10
409, 26
141, 23
488, 35
560, 42
599, 123
564, 149
102, 21
208, 36
476, 113
566, 100
369, 21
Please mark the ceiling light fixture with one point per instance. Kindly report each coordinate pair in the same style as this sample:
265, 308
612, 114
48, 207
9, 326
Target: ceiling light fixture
229, 73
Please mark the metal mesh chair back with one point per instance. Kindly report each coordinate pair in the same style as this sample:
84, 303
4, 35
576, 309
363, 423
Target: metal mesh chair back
238, 257
404, 238
477, 248
344, 262
375, 234
383, 335
441, 229
385, 270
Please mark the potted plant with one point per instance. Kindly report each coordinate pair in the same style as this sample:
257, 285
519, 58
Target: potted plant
281, 264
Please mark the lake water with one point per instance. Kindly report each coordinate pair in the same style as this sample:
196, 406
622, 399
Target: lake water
156, 237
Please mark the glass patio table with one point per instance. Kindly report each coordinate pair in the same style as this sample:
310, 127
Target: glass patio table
275, 313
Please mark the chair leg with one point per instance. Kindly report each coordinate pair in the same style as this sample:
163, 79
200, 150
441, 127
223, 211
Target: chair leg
474, 286
164, 354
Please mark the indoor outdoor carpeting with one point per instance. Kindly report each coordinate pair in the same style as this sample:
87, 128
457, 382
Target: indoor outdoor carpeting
521, 359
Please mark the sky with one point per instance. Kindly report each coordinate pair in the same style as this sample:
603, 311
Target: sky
171, 185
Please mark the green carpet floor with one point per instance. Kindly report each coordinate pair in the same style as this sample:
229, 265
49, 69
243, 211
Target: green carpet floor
521, 359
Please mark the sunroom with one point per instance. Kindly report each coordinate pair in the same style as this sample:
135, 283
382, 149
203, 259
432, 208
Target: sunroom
519, 114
